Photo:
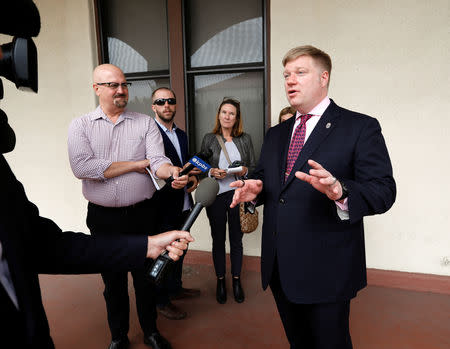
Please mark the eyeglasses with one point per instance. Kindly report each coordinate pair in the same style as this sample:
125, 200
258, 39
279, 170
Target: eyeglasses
114, 85
232, 99
162, 101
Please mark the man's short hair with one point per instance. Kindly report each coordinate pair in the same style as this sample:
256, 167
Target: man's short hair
163, 88
320, 57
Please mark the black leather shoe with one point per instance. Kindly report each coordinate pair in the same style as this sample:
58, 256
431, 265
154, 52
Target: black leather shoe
238, 291
186, 293
221, 291
120, 344
156, 341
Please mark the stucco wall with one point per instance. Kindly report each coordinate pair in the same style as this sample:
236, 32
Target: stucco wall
66, 55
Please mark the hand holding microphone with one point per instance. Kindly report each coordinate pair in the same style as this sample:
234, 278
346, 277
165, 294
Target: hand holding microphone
204, 197
175, 242
194, 162
192, 184
179, 180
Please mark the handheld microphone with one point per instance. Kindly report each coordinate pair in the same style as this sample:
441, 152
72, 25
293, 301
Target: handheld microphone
204, 197
195, 161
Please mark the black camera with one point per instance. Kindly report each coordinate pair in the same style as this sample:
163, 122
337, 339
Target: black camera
18, 58
19, 64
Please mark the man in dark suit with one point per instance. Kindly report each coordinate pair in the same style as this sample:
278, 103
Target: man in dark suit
174, 205
313, 254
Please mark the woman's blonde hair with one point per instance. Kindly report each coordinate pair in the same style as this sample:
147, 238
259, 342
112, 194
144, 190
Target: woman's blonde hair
237, 127
286, 110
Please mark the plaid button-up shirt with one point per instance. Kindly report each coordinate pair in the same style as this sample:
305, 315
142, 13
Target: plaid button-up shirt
94, 143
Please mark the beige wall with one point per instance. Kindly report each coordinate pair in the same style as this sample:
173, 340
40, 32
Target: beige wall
65, 61
390, 61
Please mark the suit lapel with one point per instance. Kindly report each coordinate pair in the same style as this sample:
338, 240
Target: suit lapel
323, 128
170, 150
183, 145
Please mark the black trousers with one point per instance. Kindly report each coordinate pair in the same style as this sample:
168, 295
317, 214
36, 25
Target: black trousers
136, 219
218, 214
312, 326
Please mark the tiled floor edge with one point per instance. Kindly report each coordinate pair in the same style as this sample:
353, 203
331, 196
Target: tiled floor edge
375, 277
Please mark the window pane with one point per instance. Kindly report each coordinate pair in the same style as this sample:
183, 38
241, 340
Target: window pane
246, 87
224, 32
140, 94
136, 34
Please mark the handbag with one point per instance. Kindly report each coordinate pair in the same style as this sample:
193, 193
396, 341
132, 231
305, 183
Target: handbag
249, 221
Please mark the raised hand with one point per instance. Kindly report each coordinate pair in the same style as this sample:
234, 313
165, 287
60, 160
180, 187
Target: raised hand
247, 190
322, 180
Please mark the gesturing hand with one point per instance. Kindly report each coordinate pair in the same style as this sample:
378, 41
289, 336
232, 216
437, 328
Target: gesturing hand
247, 190
322, 180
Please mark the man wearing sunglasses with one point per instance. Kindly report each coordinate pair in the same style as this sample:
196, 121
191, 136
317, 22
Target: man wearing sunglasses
175, 140
110, 150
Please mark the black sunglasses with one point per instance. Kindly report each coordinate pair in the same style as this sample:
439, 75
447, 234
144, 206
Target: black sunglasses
162, 101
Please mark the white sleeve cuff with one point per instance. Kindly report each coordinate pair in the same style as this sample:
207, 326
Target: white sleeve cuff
342, 210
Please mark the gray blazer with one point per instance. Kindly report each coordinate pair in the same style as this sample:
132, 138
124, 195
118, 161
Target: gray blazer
243, 143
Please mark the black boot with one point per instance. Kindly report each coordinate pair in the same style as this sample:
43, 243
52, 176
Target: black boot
237, 290
221, 291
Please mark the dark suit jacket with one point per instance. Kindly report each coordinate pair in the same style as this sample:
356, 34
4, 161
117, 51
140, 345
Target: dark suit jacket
33, 244
321, 258
170, 201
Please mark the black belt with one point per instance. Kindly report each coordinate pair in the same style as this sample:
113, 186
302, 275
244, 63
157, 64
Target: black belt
137, 205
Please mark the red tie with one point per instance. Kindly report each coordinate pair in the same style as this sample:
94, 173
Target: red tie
296, 144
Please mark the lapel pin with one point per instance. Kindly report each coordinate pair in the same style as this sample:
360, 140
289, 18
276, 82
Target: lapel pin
328, 125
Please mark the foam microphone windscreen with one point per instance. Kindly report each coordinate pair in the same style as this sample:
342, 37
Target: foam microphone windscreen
206, 191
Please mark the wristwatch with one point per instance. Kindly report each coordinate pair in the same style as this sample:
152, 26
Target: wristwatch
344, 191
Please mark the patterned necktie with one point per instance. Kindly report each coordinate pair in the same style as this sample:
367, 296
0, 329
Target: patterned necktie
297, 141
